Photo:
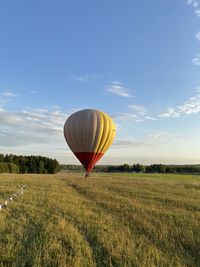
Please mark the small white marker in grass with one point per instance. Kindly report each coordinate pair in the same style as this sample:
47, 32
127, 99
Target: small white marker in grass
20, 192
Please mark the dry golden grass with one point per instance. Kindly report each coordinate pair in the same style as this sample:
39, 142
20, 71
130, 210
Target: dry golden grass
106, 220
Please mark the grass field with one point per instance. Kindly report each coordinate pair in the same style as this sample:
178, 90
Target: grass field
107, 220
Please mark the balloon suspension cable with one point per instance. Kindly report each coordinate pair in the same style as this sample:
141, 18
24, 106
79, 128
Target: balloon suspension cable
87, 175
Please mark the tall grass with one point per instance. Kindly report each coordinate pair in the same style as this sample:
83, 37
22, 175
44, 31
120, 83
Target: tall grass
107, 220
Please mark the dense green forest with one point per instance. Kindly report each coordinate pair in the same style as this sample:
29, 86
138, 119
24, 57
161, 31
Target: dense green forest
27, 164
154, 168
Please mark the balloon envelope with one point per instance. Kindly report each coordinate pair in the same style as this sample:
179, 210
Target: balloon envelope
89, 133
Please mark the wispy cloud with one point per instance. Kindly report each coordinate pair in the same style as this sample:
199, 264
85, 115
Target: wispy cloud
136, 113
2, 101
8, 118
9, 94
197, 36
170, 113
125, 116
196, 60
191, 106
197, 12
138, 109
193, 3
151, 139
132, 118
81, 77
34, 92
131, 143
6, 96
31, 126
160, 136
196, 6
118, 88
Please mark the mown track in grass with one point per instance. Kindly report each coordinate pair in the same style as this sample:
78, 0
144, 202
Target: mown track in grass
106, 220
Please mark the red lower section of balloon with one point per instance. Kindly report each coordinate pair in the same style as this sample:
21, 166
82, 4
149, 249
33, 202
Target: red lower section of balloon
88, 159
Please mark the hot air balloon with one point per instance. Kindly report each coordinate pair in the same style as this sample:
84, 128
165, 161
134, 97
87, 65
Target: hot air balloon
89, 133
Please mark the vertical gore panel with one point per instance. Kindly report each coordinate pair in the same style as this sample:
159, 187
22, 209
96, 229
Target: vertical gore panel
89, 133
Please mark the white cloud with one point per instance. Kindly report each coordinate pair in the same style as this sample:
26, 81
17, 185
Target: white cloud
152, 139
125, 116
2, 101
6, 97
8, 119
81, 78
196, 60
137, 113
34, 92
30, 127
161, 136
131, 143
150, 118
191, 106
193, 3
117, 88
138, 109
9, 94
197, 12
131, 117
197, 36
170, 113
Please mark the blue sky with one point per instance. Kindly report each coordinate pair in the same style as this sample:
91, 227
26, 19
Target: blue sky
138, 61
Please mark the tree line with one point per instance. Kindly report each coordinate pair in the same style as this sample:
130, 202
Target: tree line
27, 164
154, 168
10, 163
